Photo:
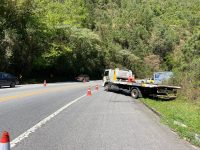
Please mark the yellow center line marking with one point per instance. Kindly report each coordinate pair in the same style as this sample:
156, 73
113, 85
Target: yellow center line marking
42, 91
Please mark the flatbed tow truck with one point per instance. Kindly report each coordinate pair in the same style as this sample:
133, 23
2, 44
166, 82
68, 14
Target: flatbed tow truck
123, 80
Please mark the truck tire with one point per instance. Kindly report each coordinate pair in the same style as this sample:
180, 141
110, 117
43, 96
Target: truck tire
134, 93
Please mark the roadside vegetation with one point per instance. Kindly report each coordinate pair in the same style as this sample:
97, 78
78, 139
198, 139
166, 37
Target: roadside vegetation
181, 116
60, 39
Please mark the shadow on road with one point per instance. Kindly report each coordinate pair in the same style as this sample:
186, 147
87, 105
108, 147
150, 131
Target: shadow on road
8, 87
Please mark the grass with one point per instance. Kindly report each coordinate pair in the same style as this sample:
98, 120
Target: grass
182, 111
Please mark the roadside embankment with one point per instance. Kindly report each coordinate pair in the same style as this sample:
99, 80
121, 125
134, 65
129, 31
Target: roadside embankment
182, 116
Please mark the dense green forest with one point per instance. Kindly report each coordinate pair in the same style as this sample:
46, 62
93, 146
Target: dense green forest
65, 38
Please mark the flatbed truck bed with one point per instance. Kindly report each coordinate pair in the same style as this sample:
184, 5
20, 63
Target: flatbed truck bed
140, 89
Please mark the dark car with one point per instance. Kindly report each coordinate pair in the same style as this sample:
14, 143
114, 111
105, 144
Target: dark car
83, 78
7, 79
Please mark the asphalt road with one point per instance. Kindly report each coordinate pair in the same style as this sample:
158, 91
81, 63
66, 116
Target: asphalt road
61, 117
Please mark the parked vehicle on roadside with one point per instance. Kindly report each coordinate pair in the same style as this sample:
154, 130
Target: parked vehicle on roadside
158, 78
6, 79
83, 78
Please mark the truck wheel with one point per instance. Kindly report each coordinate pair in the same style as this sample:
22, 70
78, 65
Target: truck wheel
135, 93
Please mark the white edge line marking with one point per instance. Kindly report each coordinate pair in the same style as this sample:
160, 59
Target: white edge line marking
42, 122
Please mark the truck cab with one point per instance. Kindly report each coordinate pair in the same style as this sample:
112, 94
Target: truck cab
112, 75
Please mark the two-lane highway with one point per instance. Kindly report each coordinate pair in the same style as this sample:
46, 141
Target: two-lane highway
24, 106
61, 117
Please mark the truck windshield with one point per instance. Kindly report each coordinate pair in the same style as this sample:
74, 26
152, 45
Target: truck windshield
106, 73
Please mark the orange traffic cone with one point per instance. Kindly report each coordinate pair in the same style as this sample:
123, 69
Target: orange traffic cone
89, 93
97, 87
45, 83
5, 141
